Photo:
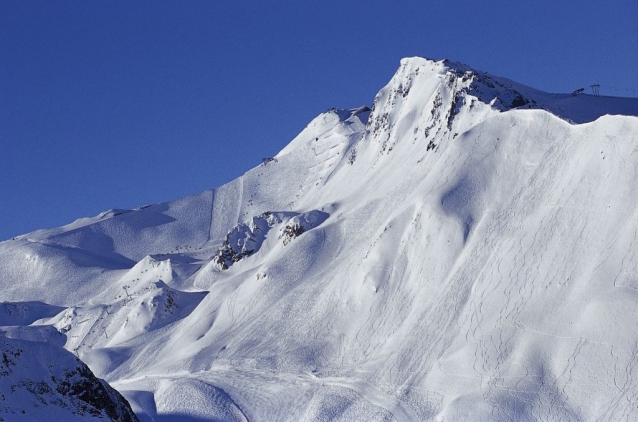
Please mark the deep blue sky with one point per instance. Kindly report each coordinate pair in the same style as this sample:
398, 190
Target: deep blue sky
116, 104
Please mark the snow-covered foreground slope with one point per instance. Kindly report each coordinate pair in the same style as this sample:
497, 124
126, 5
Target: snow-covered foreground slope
40, 381
466, 250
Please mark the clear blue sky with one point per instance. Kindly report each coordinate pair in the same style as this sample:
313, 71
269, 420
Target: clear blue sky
116, 104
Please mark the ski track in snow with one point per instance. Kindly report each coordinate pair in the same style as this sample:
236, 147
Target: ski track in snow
373, 395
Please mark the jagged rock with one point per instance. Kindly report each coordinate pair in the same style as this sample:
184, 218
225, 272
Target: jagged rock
291, 232
246, 238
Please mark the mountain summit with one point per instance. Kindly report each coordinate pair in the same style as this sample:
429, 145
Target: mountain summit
464, 249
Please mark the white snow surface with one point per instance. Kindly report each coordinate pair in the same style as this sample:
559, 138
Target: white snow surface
466, 250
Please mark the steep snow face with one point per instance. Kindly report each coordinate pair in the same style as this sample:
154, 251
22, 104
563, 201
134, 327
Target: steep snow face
463, 250
42, 382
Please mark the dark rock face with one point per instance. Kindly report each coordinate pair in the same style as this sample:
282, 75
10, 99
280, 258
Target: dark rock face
291, 232
95, 396
39, 380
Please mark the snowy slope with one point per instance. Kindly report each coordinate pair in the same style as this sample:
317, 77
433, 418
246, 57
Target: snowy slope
43, 382
465, 250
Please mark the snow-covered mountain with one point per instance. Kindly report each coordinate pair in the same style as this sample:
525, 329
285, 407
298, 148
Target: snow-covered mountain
464, 250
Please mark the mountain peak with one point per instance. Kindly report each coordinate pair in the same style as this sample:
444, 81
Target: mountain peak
504, 94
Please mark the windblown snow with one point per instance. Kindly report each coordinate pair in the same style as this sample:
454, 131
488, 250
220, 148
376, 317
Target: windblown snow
466, 249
